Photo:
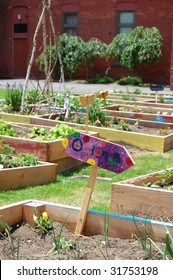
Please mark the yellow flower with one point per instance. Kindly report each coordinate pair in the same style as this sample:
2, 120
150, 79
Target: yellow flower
45, 216
5, 106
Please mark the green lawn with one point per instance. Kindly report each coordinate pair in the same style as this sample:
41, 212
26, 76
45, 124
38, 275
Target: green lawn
71, 192
2, 93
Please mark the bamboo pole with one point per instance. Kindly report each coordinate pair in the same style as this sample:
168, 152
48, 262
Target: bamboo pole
32, 57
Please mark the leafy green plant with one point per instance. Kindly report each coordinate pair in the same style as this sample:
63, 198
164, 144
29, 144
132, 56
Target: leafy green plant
161, 99
7, 129
123, 125
137, 91
43, 223
60, 131
35, 132
96, 113
9, 158
129, 80
164, 178
100, 80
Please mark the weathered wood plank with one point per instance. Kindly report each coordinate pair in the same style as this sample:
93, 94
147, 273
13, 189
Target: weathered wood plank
11, 178
11, 214
129, 199
21, 145
15, 118
32, 208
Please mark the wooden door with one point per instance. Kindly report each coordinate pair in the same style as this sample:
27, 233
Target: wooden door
19, 57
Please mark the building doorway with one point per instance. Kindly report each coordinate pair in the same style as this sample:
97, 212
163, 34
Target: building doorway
19, 45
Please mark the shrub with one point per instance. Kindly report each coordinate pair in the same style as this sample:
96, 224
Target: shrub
129, 80
101, 80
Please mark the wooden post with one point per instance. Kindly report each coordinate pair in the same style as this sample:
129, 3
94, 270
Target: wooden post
86, 100
87, 197
156, 96
103, 94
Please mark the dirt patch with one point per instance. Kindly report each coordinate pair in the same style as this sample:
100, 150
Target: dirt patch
33, 246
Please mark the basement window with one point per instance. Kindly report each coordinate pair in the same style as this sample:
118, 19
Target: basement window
20, 28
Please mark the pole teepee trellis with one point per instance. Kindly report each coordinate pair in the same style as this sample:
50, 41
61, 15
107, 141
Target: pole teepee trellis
46, 9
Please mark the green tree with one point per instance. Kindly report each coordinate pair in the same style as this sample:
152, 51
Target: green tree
92, 49
71, 51
142, 45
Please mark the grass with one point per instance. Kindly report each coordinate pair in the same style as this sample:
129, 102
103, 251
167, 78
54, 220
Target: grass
71, 192
2, 93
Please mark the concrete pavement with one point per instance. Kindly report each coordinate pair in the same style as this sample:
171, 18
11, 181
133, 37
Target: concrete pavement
80, 86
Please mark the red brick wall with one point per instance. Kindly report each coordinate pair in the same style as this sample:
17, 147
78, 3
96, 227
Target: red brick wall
171, 63
97, 19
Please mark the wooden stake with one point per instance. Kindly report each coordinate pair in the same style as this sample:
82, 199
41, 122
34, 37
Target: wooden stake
86, 100
156, 97
87, 197
103, 94
86, 120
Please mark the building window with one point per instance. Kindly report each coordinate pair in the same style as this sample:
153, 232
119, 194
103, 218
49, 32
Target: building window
125, 21
20, 28
70, 24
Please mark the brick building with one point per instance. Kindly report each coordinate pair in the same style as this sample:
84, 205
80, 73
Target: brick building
91, 18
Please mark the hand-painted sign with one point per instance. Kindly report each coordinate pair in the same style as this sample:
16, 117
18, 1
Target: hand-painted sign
98, 152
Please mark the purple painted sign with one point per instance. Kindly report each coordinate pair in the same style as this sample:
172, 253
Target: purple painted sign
98, 152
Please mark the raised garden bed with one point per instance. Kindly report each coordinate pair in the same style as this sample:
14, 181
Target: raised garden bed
42, 173
151, 193
143, 141
47, 151
119, 225
148, 103
149, 142
160, 114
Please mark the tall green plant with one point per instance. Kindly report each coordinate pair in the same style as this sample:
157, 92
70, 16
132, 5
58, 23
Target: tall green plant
13, 96
7, 235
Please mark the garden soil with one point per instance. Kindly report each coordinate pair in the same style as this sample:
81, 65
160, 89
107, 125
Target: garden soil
33, 246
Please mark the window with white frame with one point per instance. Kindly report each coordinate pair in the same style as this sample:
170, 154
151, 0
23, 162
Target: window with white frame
70, 23
125, 21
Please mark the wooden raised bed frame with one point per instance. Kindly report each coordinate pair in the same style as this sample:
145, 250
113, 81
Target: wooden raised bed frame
12, 178
48, 151
140, 140
146, 114
133, 196
119, 226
